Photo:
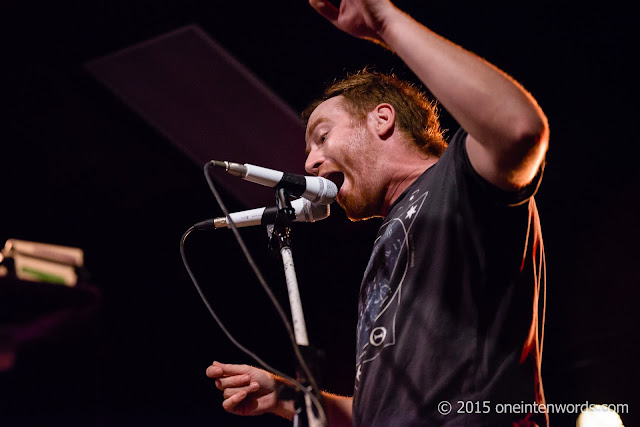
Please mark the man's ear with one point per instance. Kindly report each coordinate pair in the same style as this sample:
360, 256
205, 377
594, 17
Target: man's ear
383, 119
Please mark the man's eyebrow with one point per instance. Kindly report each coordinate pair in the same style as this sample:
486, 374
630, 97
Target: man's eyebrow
315, 124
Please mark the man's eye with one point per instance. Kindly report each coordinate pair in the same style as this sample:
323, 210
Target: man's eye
323, 137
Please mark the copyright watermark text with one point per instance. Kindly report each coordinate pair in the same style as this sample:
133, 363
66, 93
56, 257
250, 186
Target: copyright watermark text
486, 406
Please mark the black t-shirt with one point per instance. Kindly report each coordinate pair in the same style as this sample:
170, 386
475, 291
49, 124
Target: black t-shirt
448, 304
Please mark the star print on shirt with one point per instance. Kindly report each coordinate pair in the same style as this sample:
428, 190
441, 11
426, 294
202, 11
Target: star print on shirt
411, 212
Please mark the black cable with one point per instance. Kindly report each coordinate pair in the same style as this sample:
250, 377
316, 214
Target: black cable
242, 348
303, 365
261, 279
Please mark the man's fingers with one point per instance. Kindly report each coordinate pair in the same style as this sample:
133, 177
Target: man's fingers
234, 381
229, 392
325, 9
217, 370
214, 371
233, 401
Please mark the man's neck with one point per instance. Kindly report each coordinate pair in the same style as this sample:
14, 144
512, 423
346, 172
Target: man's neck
403, 175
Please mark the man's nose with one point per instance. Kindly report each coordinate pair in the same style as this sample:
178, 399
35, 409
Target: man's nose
314, 160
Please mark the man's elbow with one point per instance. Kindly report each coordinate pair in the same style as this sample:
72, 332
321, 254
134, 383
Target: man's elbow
531, 135
527, 154
529, 165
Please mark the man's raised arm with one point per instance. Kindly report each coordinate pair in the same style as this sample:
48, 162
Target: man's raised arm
508, 132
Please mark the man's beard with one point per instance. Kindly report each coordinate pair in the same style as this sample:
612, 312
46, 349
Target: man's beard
362, 201
358, 208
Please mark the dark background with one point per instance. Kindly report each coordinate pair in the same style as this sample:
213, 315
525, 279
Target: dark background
80, 168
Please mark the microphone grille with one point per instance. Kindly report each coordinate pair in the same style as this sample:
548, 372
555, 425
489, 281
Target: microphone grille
329, 191
317, 211
307, 211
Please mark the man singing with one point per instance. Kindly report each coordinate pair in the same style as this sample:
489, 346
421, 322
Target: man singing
448, 312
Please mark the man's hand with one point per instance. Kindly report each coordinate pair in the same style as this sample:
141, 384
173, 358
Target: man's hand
247, 390
360, 18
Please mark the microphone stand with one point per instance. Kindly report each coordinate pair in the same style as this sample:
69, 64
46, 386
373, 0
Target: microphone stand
306, 413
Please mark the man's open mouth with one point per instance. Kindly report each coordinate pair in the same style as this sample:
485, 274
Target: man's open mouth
337, 178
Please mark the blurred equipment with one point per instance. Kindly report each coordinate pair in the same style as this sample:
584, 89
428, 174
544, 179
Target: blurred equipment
599, 416
196, 94
41, 262
50, 338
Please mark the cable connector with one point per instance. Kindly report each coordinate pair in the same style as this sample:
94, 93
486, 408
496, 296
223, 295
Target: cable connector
207, 224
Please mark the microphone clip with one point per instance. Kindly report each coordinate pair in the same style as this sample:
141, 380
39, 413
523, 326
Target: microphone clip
279, 232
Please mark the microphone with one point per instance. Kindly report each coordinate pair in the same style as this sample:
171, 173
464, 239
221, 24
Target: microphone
313, 188
305, 212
